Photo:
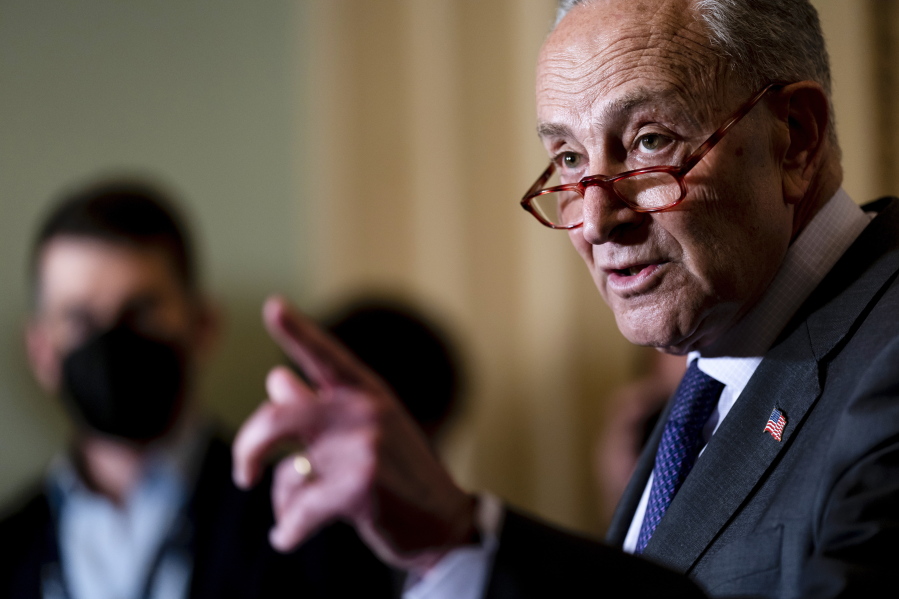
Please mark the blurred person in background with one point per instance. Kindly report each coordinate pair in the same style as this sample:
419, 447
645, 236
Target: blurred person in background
142, 505
409, 351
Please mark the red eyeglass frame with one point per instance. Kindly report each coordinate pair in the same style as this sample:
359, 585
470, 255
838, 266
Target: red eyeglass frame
606, 182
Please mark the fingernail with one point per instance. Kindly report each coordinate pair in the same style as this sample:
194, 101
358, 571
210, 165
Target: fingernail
275, 537
279, 389
240, 479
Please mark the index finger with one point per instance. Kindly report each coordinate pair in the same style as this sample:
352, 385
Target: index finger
321, 358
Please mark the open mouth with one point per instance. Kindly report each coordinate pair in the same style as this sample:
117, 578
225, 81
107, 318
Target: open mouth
632, 271
635, 278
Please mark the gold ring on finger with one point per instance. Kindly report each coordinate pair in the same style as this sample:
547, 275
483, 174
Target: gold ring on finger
302, 465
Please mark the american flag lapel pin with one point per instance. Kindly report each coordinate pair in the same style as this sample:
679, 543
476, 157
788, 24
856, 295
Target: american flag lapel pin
776, 423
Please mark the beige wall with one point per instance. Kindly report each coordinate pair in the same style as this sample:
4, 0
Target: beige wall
848, 31
331, 146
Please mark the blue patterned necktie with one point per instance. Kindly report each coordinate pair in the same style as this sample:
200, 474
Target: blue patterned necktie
694, 400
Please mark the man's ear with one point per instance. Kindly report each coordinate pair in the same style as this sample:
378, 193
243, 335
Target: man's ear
42, 356
803, 107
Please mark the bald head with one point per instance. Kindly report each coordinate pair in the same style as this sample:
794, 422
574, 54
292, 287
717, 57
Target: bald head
760, 41
608, 42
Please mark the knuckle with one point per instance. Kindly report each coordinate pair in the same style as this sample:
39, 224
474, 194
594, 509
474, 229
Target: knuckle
367, 471
368, 409
373, 439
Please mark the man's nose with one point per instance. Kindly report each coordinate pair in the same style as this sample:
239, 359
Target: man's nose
606, 216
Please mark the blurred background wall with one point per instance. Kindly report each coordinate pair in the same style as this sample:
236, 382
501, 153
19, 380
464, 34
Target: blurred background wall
325, 148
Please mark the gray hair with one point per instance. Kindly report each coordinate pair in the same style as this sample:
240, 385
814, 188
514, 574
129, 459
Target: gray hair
762, 40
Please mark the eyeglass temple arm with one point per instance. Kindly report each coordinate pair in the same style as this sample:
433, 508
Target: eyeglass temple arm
715, 137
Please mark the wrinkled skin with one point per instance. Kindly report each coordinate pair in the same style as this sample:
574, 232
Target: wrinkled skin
643, 89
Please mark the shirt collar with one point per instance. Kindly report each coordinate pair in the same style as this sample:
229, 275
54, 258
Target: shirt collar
173, 459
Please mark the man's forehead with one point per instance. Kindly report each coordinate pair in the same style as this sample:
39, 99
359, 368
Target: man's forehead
70, 267
616, 12
669, 99
627, 53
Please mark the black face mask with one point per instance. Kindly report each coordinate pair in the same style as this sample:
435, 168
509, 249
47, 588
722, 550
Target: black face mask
124, 384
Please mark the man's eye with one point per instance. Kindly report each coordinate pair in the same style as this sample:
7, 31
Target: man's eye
569, 160
651, 142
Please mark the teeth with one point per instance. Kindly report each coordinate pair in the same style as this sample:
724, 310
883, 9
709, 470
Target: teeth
633, 270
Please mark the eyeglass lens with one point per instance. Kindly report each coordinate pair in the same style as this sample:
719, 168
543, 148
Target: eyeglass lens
647, 191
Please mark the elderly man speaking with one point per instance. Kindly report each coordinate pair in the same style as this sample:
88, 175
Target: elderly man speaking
695, 168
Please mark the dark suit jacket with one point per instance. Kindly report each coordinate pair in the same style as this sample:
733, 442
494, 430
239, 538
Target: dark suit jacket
814, 515
231, 553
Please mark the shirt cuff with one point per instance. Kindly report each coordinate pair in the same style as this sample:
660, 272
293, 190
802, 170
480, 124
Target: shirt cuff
463, 573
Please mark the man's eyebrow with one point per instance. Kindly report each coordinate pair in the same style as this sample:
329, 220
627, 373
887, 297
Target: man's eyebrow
628, 103
553, 130
634, 100
615, 109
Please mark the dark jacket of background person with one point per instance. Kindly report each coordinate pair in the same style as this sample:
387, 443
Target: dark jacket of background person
232, 557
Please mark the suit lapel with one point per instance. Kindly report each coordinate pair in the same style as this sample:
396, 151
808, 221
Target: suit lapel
740, 453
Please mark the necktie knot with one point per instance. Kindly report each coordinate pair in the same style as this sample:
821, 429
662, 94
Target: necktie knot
693, 402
